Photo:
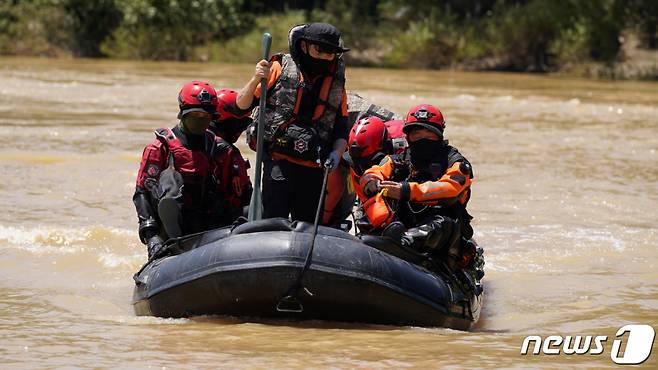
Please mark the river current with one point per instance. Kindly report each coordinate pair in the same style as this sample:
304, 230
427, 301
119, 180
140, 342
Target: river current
565, 204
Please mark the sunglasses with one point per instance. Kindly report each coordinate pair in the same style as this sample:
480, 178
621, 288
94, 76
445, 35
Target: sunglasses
199, 114
324, 49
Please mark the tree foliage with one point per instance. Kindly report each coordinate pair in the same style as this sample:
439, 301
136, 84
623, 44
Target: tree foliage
170, 29
529, 35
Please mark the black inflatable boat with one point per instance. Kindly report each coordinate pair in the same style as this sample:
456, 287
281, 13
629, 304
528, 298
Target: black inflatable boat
246, 271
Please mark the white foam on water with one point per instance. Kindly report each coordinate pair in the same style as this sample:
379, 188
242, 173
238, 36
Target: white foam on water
603, 237
42, 240
92, 248
112, 260
48, 239
142, 320
466, 97
550, 248
504, 98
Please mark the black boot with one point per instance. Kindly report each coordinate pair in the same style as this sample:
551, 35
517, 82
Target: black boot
394, 242
434, 235
396, 232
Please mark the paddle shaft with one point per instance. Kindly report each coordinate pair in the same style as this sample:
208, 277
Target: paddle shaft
255, 205
316, 224
320, 208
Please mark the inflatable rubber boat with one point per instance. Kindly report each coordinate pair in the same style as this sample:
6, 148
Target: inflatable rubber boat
276, 268
260, 269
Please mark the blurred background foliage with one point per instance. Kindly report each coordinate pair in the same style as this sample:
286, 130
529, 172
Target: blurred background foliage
590, 36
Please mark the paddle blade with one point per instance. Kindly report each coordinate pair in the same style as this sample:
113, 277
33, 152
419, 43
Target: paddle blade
267, 43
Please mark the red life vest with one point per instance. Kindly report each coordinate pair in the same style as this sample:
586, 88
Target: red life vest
195, 166
230, 164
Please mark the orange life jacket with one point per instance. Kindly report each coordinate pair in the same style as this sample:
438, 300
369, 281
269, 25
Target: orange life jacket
378, 211
283, 106
449, 187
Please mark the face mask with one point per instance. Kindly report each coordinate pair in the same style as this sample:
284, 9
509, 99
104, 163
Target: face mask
424, 150
195, 125
313, 66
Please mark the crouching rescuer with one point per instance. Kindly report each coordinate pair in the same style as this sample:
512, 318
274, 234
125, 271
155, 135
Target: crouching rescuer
418, 198
177, 190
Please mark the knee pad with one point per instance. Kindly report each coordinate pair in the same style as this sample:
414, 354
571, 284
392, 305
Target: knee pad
170, 184
170, 214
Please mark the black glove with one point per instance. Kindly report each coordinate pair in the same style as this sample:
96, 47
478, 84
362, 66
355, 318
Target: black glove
154, 246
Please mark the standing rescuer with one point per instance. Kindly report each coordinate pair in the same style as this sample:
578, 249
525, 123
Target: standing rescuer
428, 185
306, 118
177, 192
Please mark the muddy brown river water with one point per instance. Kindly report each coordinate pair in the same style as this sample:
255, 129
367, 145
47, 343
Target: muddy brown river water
565, 204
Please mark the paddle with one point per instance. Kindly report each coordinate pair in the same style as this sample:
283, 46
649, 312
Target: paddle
255, 205
290, 303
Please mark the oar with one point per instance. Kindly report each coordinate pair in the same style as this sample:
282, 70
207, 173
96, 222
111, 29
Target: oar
290, 303
255, 205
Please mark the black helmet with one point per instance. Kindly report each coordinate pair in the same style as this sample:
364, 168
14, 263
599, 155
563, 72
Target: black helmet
324, 34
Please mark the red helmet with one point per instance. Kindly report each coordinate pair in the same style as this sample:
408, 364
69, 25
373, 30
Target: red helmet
425, 116
197, 96
230, 120
227, 105
367, 137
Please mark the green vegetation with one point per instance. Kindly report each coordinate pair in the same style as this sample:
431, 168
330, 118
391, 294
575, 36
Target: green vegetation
588, 37
247, 47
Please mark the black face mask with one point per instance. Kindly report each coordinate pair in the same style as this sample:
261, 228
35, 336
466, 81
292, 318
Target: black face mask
424, 150
314, 67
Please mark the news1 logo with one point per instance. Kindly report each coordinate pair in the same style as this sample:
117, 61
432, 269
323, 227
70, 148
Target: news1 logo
637, 350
